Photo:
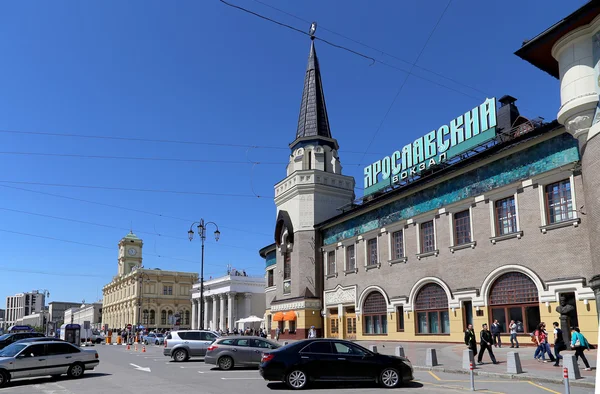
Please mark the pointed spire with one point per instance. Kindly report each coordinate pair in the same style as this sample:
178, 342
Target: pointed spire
313, 120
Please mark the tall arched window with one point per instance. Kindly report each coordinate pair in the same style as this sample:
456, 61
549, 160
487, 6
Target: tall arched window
187, 318
163, 317
170, 319
514, 296
431, 306
152, 317
145, 317
375, 314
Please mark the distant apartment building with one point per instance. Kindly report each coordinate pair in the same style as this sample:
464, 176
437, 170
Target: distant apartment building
83, 313
23, 304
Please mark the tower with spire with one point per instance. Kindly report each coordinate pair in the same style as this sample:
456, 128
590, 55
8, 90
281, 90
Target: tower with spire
312, 192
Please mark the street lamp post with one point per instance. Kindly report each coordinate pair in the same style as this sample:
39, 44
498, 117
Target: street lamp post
140, 299
202, 234
46, 294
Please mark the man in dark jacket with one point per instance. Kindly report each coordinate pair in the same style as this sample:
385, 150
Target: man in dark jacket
470, 339
559, 343
496, 329
485, 337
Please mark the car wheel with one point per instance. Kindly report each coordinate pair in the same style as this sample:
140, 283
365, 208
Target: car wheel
226, 363
156, 343
389, 378
3, 378
296, 379
180, 355
99, 341
75, 371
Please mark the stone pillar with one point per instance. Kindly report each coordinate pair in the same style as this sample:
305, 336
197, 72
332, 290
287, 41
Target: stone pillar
230, 307
207, 302
215, 315
194, 311
222, 311
247, 304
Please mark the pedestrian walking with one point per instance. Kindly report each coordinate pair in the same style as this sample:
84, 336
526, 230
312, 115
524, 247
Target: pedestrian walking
513, 334
580, 343
485, 342
547, 344
496, 330
277, 332
312, 332
559, 343
470, 340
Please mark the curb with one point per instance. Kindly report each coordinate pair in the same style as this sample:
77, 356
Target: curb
579, 382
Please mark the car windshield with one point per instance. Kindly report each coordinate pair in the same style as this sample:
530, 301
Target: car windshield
3, 337
12, 350
159, 335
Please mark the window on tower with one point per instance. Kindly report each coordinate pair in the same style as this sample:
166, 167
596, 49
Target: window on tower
287, 266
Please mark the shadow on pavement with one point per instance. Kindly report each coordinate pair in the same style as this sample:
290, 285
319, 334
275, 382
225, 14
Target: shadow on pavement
48, 379
340, 385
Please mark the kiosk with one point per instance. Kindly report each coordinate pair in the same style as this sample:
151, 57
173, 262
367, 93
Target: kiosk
71, 333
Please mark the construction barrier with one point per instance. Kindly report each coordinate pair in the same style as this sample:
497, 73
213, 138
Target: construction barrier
108, 340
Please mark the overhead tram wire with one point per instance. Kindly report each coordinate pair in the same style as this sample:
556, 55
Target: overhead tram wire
117, 207
406, 79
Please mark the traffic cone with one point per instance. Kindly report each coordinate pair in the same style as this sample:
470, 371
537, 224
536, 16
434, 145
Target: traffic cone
144, 349
128, 347
135, 347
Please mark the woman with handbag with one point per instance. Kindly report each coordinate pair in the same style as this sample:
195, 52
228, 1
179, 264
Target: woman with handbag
579, 342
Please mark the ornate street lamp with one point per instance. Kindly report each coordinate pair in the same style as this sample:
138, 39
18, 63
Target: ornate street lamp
202, 233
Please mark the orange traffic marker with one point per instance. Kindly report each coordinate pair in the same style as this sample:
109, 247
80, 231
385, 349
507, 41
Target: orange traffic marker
143, 349
128, 347
135, 347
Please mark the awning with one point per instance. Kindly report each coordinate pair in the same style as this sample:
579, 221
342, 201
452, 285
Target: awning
278, 316
289, 316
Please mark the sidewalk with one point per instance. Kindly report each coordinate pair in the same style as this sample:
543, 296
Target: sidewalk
449, 357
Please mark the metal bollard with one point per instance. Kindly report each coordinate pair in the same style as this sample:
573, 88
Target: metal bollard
472, 376
285, 343
566, 380
373, 348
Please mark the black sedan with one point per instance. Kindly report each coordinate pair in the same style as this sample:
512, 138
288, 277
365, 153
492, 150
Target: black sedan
332, 360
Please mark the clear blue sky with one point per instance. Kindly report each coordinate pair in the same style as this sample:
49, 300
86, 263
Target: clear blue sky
201, 71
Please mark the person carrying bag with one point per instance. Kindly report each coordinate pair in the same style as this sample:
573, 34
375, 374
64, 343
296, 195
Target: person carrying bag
580, 344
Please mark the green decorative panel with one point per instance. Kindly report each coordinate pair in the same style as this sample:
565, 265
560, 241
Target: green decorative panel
271, 259
537, 159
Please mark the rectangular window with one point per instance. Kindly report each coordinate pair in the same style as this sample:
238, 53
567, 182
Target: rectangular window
170, 290
506, 216
287, 266
559, 206
397, 245
400, 318
270, 278
292, 325
165, 290
433, 322
462, 227
372, 252
331, 262
350, 258
427, 237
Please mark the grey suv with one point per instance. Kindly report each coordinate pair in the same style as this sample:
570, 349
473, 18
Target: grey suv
238, 351
181, 345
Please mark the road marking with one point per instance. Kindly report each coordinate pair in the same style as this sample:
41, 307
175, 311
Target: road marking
434, 375
137, 367
543, 388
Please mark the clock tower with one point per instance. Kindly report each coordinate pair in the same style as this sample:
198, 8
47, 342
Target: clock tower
130, 253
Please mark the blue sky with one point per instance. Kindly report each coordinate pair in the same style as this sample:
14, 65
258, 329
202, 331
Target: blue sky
201, 71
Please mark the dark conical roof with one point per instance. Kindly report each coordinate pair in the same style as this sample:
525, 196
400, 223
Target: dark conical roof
313, 120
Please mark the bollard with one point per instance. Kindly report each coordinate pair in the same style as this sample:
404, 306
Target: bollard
373, 348
285, 343
570, 363
472, 376
566, 380
400, 351
513, 363
468, 359
431, 358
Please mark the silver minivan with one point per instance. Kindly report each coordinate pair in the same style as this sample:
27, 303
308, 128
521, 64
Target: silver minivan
181, 345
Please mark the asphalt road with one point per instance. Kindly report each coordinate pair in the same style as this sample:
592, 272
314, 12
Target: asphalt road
125, 372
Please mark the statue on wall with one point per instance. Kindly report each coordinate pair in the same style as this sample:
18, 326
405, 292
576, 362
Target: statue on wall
565, 310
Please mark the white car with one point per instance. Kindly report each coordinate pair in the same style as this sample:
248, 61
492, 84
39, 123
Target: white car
31, 359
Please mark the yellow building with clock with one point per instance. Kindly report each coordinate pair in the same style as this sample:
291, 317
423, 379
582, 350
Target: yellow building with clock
154, 298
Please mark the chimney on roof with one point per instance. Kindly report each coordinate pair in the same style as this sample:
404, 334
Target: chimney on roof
507, 113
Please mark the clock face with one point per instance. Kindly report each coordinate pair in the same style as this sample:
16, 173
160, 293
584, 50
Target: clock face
132, 252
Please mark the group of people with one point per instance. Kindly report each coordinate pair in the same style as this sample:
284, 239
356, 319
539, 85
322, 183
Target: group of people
539, 337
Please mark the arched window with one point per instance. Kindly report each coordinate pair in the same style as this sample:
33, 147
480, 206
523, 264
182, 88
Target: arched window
375, 314
163, 317
152, 317
514, 296
145, 317
431, 306
187, 318
170, 319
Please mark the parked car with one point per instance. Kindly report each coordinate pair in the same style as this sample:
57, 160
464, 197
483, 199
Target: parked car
97, 336
302, 362
154, 338
238, 351
9, 338
29, 359
39, 339
181, 345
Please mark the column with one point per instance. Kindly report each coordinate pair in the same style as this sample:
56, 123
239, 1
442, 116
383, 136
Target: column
207, 302
247, 304
222, 311
230, 307
215, 315
194, 313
